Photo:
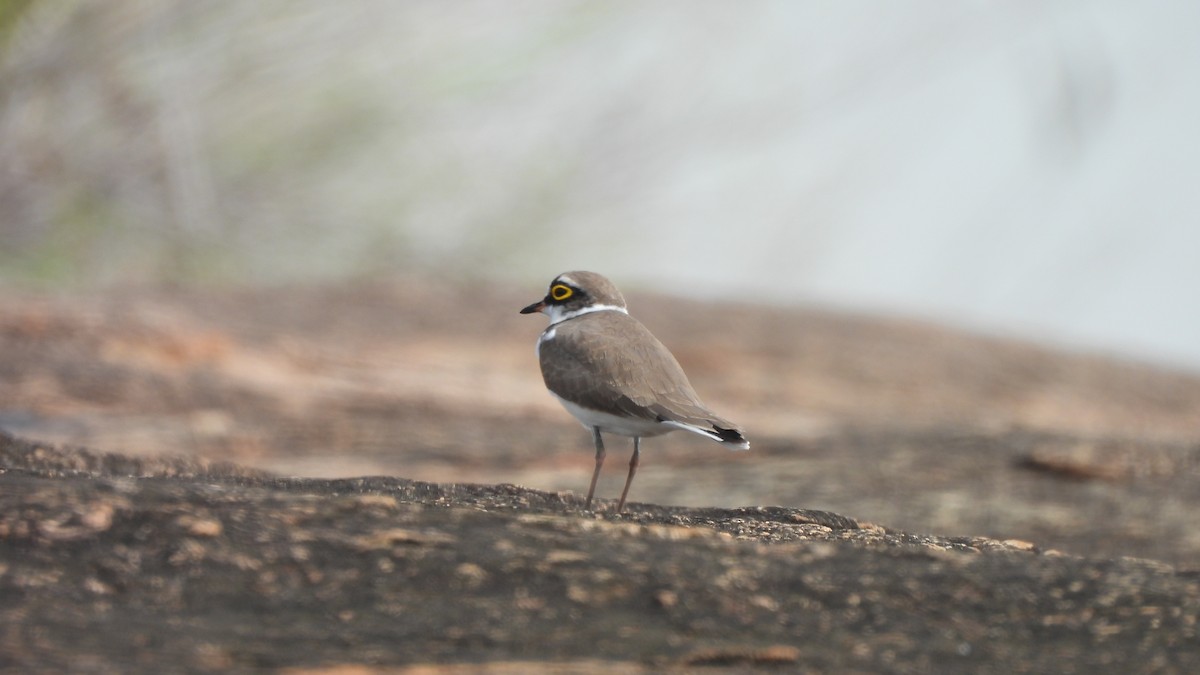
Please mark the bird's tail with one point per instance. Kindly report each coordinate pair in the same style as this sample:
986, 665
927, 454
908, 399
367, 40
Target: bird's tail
729, 437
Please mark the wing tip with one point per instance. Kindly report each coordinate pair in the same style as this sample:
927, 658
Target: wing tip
731, 438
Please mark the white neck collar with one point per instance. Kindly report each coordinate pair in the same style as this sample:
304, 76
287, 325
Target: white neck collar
558, 315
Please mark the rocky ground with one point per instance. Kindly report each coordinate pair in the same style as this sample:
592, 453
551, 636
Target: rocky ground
220, 519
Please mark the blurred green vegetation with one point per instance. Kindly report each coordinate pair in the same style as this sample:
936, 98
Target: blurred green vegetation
188, 142
10, 14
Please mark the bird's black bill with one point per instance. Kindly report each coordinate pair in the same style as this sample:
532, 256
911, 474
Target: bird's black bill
535, 307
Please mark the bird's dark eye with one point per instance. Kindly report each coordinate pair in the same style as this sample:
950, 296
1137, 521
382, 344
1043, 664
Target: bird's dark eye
559, 292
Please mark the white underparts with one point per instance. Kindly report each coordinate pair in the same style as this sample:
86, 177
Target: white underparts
613, 424
627, 426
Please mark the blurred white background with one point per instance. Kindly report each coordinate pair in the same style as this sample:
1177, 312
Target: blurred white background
1028, 168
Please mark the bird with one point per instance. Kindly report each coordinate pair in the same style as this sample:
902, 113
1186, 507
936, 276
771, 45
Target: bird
611, 373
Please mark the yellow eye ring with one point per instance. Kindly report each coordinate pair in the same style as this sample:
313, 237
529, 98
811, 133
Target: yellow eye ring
560, 292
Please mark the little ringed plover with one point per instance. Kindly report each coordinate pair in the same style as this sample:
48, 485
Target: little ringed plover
613, 375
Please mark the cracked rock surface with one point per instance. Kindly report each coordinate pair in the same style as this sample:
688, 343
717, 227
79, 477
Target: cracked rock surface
114, 564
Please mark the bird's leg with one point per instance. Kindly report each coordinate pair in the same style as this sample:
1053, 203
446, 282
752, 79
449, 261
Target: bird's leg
599, 463
633, 465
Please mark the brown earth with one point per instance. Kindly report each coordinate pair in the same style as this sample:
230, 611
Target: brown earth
1018, 452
